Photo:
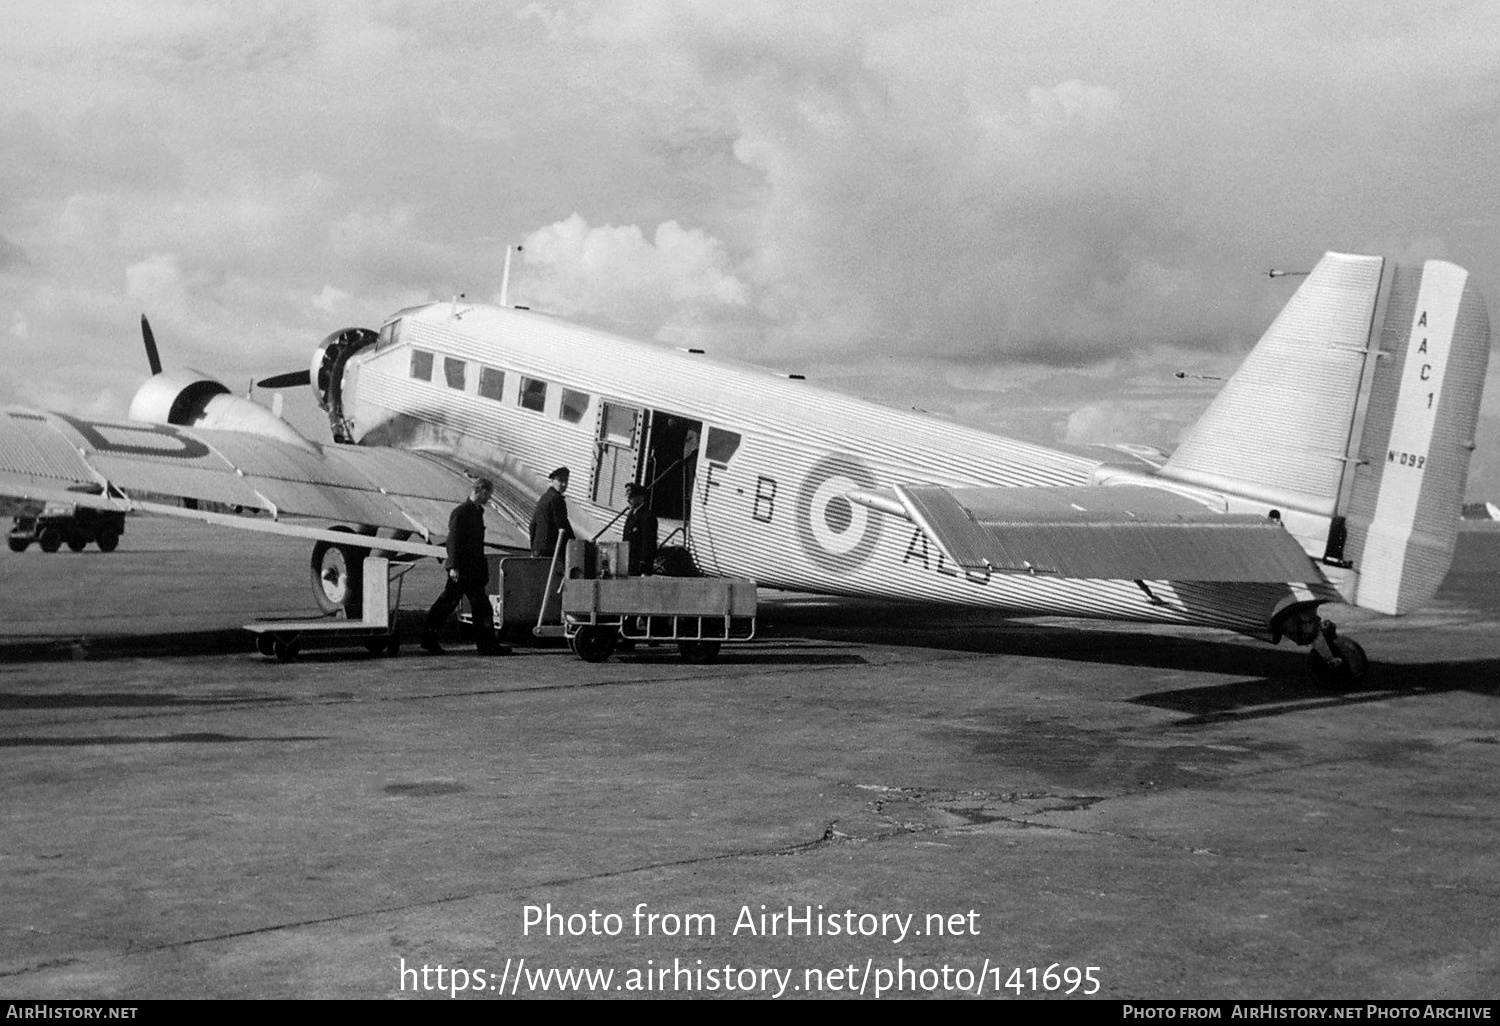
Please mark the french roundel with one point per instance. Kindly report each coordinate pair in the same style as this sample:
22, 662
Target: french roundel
836, 534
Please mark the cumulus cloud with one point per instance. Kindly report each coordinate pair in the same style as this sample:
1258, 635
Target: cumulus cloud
573, 269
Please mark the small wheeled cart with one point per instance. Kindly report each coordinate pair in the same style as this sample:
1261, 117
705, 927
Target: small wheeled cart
698, 614
376, 629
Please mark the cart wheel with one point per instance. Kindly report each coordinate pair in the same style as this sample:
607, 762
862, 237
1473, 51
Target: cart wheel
265, 645
18, 544
594, 644
393, 643
286, 649
50, 540
698, 652
375, 646
77, 542
108, 539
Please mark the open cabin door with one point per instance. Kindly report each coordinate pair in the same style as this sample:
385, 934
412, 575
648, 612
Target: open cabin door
621, 431
671, 463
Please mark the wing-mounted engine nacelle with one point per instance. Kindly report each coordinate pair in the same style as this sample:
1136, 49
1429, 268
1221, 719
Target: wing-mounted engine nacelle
327, 373
193, 399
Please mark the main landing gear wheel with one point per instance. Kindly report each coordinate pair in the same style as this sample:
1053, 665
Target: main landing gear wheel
338, 577
1337, 663
594, 644
698, 652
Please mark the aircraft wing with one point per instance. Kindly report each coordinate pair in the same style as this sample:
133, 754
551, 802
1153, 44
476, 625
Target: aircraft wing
1121, 532
197, 473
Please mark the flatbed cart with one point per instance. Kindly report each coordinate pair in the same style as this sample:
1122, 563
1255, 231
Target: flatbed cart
698, 614
376, 629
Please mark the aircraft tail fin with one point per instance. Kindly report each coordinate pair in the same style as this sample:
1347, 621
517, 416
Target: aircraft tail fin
1408, 493
1280, 430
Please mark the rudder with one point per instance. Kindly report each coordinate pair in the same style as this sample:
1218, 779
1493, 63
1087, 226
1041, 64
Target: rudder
1408, 491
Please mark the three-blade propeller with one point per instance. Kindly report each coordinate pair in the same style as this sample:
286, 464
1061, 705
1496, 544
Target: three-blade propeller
289, 380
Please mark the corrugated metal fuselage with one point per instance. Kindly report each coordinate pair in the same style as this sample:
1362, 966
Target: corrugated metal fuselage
775, 459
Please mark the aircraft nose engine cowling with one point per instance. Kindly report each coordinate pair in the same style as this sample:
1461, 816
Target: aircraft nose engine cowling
193, 399
327, 370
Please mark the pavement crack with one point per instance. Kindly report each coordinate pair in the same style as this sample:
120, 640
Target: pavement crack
830, 836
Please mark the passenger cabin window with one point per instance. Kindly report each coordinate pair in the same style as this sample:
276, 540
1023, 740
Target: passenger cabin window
421, 365
722, 445
574, 405
619, 424
453, 370
491, 383
533, 394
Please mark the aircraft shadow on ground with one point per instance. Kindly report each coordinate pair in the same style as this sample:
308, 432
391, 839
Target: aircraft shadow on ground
1271, 681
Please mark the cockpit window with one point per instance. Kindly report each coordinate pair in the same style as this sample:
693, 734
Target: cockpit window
421, 365
390, 334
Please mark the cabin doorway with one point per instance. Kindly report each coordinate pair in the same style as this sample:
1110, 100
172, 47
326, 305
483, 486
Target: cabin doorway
671, 463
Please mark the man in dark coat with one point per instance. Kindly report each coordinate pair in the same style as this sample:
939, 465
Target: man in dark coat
640, 532
468, 573
550, 519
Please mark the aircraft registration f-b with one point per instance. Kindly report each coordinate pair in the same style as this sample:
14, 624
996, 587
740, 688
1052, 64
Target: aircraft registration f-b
1331, 467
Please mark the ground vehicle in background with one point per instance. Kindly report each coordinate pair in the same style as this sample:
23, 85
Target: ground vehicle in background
60, 523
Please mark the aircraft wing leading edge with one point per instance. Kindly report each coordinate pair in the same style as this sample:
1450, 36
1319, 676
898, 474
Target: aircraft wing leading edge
1097, 533
43, 455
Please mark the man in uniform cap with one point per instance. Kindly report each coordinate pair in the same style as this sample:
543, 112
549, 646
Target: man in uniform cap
640, 531
550, 519
468, 573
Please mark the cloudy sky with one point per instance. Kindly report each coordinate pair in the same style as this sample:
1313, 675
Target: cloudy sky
1026, 215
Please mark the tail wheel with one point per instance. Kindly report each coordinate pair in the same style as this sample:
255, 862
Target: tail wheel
50, 539
338, 577
108, 539
1348, 672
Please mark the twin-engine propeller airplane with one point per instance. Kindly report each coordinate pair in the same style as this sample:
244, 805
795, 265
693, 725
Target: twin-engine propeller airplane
1331, 467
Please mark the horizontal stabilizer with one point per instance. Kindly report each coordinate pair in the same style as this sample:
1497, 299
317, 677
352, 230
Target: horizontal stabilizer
1101, 533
